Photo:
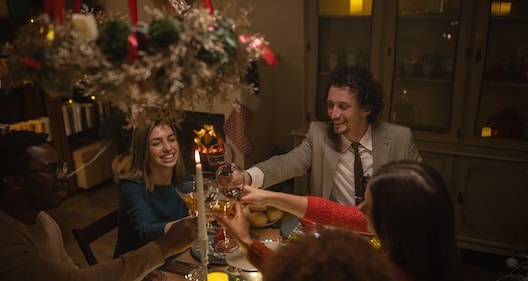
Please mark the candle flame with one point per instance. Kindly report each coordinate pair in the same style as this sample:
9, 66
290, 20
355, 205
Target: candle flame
197, 157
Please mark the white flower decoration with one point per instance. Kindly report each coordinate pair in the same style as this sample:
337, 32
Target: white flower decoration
85, 25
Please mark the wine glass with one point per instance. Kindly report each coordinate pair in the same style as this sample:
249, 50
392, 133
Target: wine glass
221, 244
188, 193
219, 154
230, 181
209, 181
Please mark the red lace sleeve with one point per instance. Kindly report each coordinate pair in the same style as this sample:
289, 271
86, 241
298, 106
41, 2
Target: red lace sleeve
332, 213
258, 253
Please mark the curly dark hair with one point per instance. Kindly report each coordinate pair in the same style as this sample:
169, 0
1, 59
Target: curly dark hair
13, 151
360, 81
336, 254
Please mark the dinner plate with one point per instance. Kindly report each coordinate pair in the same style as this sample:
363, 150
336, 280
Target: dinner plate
287, 226
238, 258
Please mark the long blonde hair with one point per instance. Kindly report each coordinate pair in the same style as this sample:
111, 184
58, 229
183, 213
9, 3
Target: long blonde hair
139, 170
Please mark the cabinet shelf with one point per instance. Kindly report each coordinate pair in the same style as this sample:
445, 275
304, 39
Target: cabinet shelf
424, 79
345, 17
510, 18
506, 84
419, 78
435, 17
430, 128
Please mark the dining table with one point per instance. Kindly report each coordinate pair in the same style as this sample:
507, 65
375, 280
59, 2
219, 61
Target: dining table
275, 233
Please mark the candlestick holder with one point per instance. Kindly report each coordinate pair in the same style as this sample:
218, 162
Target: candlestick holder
197, 274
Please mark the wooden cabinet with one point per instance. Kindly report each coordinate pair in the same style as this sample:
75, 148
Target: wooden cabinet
489, 196
491, 204
66, 143
60, 140
455, 71
498, 78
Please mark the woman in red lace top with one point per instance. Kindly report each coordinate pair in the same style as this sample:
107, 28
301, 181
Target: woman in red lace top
408, 208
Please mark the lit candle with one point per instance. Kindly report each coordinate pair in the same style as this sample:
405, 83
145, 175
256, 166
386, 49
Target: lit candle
202, 231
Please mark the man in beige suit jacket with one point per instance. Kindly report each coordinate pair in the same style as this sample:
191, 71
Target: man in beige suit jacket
354, 101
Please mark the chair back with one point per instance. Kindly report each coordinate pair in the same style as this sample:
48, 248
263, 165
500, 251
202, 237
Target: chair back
91, 232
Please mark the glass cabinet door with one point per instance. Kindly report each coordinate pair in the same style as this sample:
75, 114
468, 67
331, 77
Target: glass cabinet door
427, 35
344, 34
502, 112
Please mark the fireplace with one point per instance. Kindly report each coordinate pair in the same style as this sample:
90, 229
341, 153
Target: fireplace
216, 115
198, 131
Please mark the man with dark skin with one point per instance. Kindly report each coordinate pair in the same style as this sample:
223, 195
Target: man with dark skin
32, 180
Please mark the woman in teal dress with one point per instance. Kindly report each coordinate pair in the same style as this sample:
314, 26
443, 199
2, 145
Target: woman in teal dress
148, 203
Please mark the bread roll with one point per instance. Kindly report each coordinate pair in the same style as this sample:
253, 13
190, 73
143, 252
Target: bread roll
274, 214
246, 211
257, 218
257, 208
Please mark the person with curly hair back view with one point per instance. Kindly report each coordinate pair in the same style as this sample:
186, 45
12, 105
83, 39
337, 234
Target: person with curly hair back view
33, 180
407, 207
353, 136
334, 254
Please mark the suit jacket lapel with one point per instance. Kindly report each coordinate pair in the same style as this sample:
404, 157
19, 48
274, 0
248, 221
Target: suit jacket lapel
381, 145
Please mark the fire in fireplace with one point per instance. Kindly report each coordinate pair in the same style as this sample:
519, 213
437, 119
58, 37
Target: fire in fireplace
198, 131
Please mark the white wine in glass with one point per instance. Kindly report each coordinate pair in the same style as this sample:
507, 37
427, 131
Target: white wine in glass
221, 206
230, 181
188, 193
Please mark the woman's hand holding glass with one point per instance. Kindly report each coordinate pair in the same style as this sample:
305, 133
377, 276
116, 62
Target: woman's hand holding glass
230, 181
254, 196
237, 224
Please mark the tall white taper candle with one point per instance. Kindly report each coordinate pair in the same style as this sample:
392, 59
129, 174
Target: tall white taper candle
202, 231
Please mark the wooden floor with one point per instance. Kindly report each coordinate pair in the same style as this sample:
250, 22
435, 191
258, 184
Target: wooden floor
81, 209
88, 205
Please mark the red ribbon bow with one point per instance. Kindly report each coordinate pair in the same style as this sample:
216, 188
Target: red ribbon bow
265, 51
31, 63
209, 5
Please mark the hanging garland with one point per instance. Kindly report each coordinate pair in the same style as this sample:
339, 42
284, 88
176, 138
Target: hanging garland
150, 71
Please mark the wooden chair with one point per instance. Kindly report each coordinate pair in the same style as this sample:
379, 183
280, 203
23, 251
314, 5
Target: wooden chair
87, 234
